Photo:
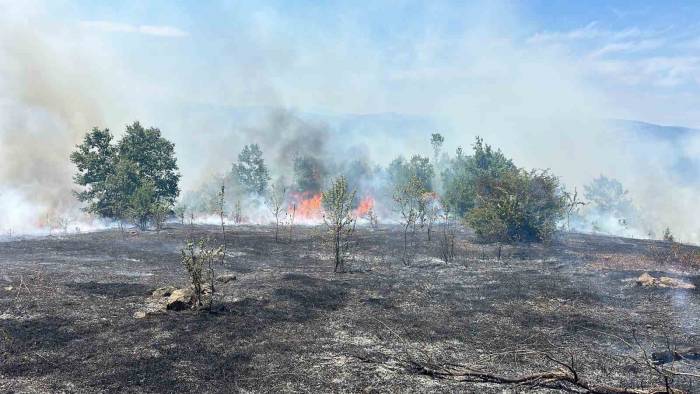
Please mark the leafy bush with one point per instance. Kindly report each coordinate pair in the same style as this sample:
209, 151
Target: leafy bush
462, 173
519, 205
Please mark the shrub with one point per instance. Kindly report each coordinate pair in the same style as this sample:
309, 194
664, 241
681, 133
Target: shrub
460, 177
196, 257
517, 206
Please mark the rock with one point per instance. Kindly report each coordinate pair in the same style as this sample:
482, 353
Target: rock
647, 280
164, 291
180, 299
9, 288
139, 314
226, 278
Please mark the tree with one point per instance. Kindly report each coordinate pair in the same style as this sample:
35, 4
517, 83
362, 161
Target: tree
136, 178
436, 140
308, 174
408, 198
608, 196
337, 207
95, 161
251, 170
276, 203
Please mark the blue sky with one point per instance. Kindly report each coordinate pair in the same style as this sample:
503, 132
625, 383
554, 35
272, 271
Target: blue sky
636, 59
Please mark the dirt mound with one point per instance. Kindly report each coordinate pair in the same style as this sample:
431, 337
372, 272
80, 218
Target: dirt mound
647, 280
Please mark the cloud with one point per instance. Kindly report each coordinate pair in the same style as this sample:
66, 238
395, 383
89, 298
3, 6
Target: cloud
151, 30
588, 32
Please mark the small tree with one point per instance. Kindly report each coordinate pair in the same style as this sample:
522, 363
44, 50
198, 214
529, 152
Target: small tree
276, 203
337, 206
408, 199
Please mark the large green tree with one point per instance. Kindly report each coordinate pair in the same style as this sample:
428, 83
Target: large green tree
251, 170
142, 162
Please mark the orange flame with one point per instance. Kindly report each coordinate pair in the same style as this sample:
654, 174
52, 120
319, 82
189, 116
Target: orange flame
308, 206
364, 207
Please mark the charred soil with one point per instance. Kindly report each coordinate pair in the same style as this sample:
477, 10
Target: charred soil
289, 324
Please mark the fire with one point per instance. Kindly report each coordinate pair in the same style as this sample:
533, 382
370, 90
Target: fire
364, 206
308, 206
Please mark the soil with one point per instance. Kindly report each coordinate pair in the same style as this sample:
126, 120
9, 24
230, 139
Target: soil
289, 324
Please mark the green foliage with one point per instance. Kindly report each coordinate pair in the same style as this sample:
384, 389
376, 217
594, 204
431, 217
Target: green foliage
136, 178
94, 159
309, 174
337, 207
251, 170
418, 169
121, 186
517, 206
141, 204
154, 157
463, 172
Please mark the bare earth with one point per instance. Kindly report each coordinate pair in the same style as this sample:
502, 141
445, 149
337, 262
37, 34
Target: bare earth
289, 324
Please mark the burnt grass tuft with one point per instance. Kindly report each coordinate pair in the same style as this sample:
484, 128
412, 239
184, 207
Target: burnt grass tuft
289, 324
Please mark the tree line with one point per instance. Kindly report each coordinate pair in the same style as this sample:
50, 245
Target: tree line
136, 179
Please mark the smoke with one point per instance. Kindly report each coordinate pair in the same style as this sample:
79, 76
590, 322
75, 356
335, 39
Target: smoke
49, 96
333, 92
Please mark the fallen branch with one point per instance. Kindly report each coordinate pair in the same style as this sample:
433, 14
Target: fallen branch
565, 377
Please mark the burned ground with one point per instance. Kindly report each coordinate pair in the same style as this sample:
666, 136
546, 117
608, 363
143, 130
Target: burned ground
288, 323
